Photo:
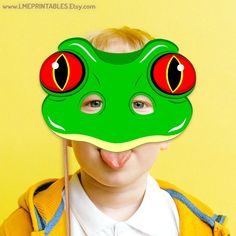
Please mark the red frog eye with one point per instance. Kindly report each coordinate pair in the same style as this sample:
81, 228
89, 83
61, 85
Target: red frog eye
173, 74
61, 72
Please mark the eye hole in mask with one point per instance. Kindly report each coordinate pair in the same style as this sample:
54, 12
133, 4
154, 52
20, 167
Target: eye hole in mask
62, 72
92, 104
173, 74
142, 105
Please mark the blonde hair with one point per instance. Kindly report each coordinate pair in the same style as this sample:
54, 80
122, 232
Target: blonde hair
135, 38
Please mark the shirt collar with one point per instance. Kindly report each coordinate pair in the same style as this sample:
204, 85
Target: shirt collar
156, 209
92, 220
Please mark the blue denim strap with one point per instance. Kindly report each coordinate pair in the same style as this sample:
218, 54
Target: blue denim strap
48, 227
207, 219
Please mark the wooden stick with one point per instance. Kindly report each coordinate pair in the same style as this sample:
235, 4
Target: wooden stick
67, 191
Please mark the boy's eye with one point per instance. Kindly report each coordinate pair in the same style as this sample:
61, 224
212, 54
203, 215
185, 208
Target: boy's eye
95, 103
91, 104
138, 105
142, 105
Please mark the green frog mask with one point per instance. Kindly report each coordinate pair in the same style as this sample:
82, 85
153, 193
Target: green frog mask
115, 120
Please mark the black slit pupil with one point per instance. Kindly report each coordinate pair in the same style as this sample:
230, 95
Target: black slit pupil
61, 73
174, 75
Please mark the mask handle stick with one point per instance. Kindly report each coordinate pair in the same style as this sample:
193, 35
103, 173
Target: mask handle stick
67, 195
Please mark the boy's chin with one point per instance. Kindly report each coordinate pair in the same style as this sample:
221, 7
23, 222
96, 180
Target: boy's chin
116, 180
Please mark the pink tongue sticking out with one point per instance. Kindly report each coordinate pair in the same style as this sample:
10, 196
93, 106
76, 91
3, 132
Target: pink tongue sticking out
115, 160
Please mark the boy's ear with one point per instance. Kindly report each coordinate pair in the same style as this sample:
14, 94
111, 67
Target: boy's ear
165, 144
68, 143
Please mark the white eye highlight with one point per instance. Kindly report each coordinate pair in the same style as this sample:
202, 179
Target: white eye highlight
91, 104
55, 65
180, 67
142, 105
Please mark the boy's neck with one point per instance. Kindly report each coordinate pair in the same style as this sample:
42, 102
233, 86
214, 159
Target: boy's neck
119, 203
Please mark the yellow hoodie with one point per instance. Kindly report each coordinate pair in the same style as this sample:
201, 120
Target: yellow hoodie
41, 212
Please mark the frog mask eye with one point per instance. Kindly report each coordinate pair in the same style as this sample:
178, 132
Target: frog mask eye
61, 72
173, 74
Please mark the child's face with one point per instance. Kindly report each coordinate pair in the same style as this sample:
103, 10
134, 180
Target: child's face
116, 168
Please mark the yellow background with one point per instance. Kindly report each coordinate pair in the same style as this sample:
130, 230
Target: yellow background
202, 161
